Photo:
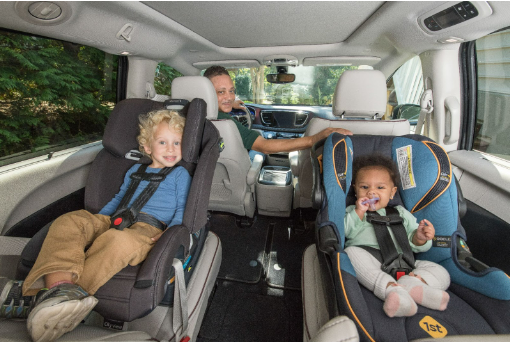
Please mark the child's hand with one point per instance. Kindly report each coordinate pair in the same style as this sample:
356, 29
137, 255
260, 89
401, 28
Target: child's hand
425, 232
361, 208
157, 237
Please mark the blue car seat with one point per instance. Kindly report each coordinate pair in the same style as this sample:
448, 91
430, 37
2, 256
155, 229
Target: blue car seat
479, 295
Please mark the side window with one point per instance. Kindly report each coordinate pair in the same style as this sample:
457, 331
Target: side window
53, 95
404, 91
163, 78
492, 112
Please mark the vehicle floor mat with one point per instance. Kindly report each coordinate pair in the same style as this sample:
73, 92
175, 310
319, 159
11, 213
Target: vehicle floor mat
242, 248
252, 313
287, 247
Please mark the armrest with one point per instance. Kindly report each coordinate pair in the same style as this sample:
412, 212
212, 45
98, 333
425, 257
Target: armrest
255, 169
159, 260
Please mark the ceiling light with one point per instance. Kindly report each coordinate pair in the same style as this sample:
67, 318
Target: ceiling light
450, 40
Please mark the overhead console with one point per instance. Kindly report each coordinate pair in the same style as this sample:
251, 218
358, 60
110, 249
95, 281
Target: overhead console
446, 16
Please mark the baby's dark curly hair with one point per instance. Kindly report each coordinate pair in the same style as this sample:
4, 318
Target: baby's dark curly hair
376, 160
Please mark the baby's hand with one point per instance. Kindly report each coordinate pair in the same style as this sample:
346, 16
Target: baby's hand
425, 232
361, 208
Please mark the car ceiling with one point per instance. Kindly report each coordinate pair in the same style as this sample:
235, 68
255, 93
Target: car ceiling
189, 35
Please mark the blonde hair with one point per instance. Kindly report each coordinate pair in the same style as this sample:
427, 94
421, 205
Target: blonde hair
150, 121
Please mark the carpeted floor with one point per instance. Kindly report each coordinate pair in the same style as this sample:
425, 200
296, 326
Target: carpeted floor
243, 248
258, 296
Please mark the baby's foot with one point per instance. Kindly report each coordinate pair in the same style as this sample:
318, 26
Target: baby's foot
423, 294
398, 303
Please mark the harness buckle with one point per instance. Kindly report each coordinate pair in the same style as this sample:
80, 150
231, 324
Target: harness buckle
397, 268
122, 220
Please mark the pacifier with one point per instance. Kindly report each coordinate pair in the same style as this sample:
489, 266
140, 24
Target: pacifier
371, 203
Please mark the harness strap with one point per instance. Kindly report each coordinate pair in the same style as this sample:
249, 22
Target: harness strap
123, 216
393, 261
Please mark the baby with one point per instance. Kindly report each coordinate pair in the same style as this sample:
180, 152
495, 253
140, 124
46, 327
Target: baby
377, 177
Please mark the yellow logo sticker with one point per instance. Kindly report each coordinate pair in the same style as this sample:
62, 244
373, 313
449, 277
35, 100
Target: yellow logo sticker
434, 328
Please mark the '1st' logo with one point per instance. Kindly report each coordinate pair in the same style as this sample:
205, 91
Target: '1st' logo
432, 327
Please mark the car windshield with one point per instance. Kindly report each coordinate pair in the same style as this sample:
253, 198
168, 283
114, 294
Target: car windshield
313, 85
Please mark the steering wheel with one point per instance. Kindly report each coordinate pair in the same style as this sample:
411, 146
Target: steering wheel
248, 117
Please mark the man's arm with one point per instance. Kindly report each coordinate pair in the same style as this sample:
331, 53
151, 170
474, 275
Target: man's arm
270, 146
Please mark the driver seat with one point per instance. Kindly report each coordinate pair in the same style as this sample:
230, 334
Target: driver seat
233, 188
360, 95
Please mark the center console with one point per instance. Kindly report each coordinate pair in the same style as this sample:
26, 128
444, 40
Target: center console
274, 190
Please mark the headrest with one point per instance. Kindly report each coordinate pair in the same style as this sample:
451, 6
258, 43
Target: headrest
122, 129
360, 93
191, 87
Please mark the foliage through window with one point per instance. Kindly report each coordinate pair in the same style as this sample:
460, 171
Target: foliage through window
492, 115
163, 78
53, 95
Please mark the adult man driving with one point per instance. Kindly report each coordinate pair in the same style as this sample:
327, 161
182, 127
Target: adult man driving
252, 140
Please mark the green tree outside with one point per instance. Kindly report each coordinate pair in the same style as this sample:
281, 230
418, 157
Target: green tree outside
52, 92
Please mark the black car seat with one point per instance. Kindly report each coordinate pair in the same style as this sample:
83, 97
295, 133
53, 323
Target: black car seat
479, 295
138, 290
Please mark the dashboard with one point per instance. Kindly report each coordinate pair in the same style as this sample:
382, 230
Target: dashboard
281, 121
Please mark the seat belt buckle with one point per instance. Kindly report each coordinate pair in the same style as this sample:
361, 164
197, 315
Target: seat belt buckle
399, 274
185, 339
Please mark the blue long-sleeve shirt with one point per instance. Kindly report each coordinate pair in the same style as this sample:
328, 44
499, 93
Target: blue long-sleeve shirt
168, 202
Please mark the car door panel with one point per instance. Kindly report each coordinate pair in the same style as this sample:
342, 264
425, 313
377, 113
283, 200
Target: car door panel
39, 183
485, 186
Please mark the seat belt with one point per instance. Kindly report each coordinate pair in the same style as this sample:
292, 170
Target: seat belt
425, 113
394, 263
123, 216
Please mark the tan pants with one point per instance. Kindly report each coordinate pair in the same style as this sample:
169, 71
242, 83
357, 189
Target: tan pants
110, 250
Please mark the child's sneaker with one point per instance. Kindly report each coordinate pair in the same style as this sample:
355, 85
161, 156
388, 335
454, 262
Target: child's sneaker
13, 303
59, 310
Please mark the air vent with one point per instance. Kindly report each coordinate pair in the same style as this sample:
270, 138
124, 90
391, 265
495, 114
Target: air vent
300, 119
267, 118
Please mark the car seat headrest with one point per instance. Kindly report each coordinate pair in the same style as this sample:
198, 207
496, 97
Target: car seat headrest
191, 87
122, 129
360, 93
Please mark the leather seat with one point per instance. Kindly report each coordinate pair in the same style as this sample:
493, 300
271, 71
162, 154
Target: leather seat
360, 95
233, 188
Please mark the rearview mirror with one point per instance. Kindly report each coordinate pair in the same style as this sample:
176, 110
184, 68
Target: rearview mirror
280, 78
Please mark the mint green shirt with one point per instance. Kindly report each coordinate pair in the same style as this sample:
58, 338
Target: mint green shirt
361, 232
247, 136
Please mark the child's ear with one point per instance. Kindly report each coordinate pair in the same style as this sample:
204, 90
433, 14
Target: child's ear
394, 190
147, 149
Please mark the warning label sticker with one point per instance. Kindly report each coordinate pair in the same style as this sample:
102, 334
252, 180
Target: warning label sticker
404, 161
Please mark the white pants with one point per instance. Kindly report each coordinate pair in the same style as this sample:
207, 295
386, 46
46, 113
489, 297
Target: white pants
370, 275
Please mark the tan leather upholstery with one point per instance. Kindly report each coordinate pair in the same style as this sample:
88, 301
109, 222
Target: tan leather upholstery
359, 94
233, 188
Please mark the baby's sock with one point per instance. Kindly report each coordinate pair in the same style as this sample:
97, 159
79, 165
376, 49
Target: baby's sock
423, 294
398, 303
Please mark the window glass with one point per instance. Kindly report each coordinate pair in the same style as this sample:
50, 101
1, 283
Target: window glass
313, 85
492, 117
404, 91
53, 95
163, 78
